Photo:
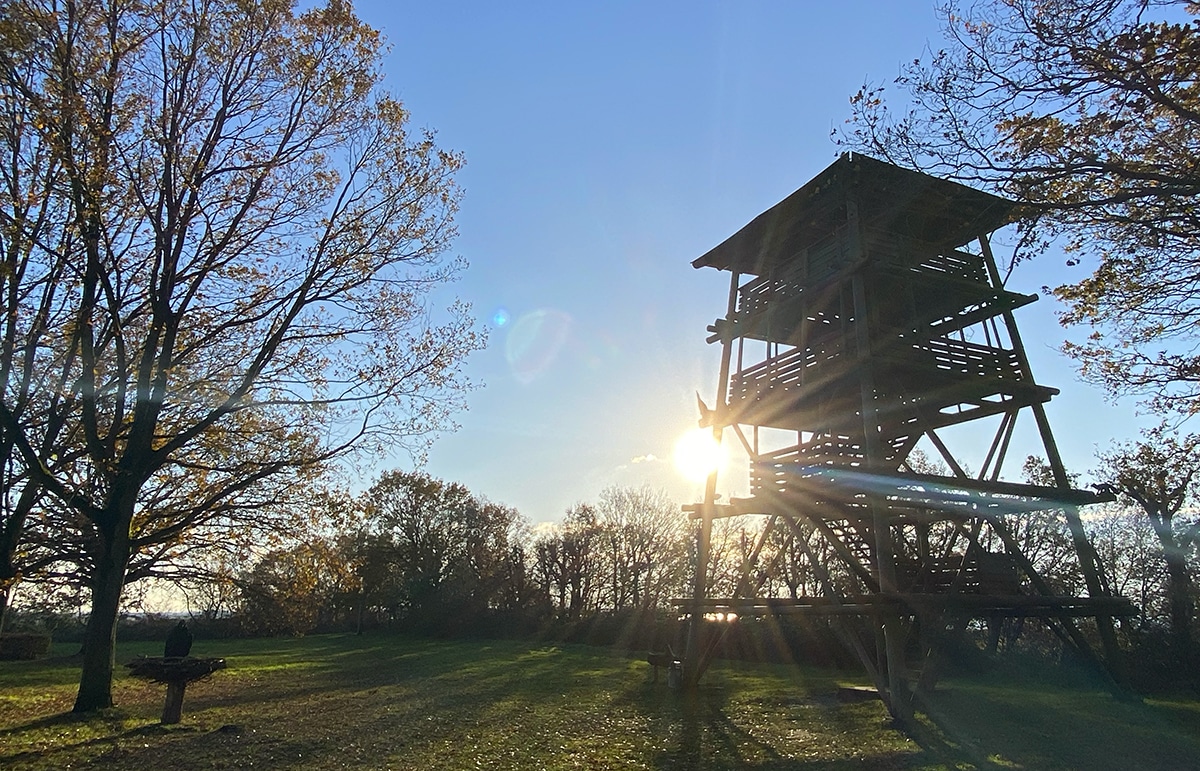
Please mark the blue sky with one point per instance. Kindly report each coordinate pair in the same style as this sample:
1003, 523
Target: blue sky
608, 144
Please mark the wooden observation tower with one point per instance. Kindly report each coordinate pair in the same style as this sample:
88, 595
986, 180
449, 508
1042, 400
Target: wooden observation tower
866, 314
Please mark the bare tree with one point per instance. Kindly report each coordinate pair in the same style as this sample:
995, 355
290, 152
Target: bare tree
569, 563
644, 534
1129, 549
1161, 474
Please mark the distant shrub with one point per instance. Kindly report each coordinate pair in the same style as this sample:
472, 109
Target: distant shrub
16, 646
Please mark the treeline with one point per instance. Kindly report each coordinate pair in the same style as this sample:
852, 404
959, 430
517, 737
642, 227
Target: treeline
429, 556
417, 554
425, 555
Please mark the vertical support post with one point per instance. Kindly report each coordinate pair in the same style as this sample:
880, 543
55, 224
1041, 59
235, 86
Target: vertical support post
885, 565
1097, 586
173, 707
693, 654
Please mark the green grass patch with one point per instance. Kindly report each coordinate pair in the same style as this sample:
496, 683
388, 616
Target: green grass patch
334, 702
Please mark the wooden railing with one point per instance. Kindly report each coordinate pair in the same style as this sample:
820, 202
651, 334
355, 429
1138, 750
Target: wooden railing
830, 255
797, 367
780, 471
970, 359
805, 269
981, 573
888, 248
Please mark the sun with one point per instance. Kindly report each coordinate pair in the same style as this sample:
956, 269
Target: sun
697, 454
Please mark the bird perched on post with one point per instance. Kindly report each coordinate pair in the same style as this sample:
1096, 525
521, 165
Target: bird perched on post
179, 642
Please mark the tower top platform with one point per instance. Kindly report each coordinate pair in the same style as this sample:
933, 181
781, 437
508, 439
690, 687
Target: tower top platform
887, 198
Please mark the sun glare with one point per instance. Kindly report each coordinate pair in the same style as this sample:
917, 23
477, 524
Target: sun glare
697, 454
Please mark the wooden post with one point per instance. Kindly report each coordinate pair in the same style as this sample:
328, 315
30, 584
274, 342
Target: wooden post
173, 708
693, 653
885, 565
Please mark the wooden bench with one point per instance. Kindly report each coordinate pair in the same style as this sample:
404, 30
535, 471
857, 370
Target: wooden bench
672, 663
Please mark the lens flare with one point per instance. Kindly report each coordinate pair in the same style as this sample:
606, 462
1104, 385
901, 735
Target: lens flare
697, 454
534, 342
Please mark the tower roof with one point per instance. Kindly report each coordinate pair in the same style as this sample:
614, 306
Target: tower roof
889, 198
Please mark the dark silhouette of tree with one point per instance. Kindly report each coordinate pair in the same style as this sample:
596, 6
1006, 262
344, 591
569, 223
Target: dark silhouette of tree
287, 589
451, 552
424, 520
568, 562
218, 238
1086, 112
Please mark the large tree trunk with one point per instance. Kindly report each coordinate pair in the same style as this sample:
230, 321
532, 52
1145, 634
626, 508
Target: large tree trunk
100, 635
1179, 595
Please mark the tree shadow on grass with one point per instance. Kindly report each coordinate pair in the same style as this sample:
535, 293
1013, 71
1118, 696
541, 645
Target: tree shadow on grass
1058, 727
264, 689
702, 734
50, 721
825, 729
396, 705
112, 719
105, 728
287, 673
383, 701
156, 746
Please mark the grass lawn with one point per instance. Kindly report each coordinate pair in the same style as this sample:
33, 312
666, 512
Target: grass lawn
340, 701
